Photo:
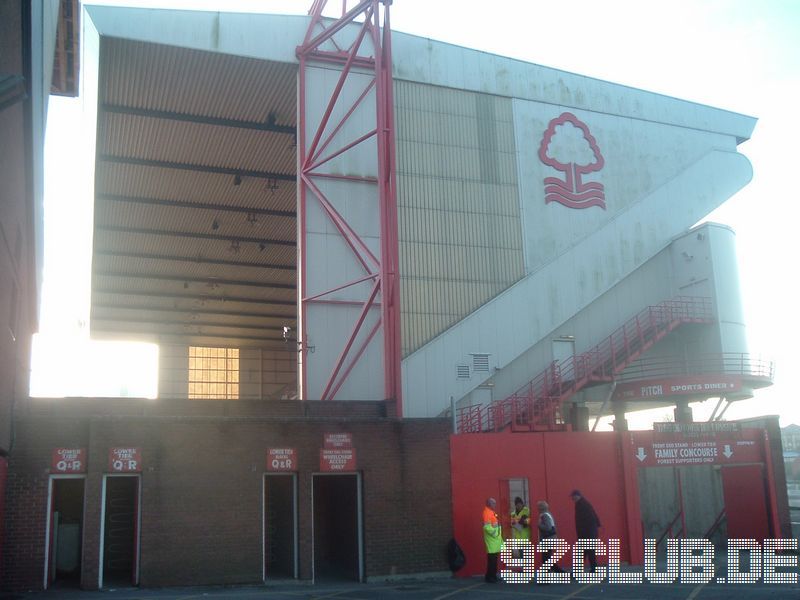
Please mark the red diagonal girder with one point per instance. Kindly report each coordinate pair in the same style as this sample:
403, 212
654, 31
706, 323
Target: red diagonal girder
383, 269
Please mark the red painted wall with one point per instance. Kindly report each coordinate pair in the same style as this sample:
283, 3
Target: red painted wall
554, 464
745, 502
3, 476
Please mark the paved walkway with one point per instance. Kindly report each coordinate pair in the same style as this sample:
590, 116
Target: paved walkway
435, 589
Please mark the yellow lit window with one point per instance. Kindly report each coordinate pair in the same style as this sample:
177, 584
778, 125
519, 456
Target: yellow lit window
213, 373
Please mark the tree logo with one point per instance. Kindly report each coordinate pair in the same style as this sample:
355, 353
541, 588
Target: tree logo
568, 146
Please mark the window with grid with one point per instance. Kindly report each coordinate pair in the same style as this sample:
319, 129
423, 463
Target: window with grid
213, 373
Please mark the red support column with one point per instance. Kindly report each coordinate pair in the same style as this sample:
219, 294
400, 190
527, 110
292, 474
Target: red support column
774, 516
633, 511
370, 52
3, 478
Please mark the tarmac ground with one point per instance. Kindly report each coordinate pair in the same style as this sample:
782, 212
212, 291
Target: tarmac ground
455, 588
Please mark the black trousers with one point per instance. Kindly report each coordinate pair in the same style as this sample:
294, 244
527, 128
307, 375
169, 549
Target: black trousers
592, 558
491, 567
555, 568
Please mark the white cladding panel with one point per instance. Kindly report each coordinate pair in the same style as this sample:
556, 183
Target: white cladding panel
727, 293
427, 61
639, 158
459, 232
271, 37
329, 327
533, 308
330, 262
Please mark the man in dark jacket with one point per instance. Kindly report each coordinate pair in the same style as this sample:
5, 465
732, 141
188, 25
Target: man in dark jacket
586, 524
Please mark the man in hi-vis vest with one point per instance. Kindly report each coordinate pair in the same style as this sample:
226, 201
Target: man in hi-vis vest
492, 537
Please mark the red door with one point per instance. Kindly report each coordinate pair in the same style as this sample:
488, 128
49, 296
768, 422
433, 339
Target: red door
745, 502
3, 476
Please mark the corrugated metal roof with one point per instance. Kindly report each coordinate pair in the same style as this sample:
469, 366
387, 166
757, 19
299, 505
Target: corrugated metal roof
171, 184
195, 230
197, 143
161, 77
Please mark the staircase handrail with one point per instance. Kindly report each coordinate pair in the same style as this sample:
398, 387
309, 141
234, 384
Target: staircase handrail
608, 358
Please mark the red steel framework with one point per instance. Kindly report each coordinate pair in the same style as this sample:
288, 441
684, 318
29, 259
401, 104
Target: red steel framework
537, 405
381, 271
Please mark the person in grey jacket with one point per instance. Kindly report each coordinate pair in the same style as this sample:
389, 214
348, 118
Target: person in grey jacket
547, 529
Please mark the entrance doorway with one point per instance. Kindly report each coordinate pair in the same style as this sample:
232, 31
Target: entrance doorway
119, 533
337, 527
509, 489
746, 501
65, 531
280, 526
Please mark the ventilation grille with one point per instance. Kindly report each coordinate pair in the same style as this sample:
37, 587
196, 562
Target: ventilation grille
462, 371
480, 362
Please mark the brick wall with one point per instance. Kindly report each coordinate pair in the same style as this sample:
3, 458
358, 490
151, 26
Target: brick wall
202, 486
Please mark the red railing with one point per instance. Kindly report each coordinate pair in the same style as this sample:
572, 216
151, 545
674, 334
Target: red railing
727, 363
669, 533
716, 524
537, 405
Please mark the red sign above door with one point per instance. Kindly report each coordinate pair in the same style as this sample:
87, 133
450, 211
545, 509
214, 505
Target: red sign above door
338, 440
650, 451
125, 460
337, 460
68, 460
281, 459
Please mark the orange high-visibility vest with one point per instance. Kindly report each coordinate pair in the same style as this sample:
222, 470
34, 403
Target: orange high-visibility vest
491, 531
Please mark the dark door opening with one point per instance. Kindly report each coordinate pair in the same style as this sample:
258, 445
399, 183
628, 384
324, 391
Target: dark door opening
120, 531
66, 532
280, 524
336, 527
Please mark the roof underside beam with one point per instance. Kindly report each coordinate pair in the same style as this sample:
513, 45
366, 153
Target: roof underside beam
200, 297
193, 323
193, 311
192, 259
195, 235
188, 279
198, 205
113, 327
269, 125
166, 164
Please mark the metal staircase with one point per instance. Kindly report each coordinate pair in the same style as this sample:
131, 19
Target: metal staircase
537, 406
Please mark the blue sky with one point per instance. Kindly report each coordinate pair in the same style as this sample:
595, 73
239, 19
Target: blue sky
739, 55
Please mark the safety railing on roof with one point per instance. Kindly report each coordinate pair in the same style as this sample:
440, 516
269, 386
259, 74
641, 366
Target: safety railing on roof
537, 405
